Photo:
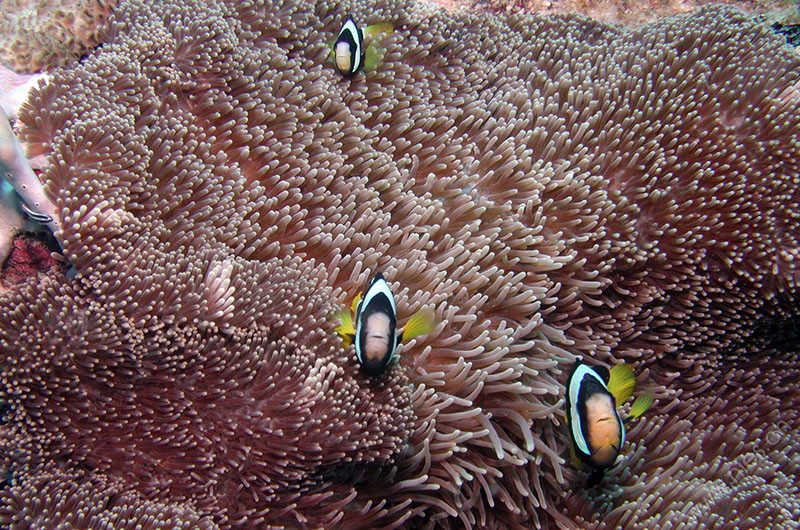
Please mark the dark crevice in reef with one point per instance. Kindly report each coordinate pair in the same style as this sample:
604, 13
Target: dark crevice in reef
365, 475
782, 336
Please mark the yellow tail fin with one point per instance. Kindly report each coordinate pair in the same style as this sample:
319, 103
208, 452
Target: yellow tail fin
375, 29
640, 406
621, 382
421, 323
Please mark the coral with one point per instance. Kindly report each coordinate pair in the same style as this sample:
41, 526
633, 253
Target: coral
12, 220
241, 407
30, 255
14, 89
791, 32
553, 188
39, 35
24, 207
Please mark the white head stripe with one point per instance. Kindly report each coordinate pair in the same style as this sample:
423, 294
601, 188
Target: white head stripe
351, 28
376, 288
574, 390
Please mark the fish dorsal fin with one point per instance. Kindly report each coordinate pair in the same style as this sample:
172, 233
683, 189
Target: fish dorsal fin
621, 382
421, 323
346, 330
640, 406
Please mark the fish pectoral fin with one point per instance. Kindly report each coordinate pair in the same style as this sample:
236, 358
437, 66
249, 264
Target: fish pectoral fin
356, 301
421, 323
621, 382
372, 57
640, 406
332, 51
346, 330
375, 29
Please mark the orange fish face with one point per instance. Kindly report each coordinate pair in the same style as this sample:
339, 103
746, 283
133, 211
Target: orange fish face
603, 429
378, 340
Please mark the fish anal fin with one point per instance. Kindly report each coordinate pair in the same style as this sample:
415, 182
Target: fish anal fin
621, 382
595, 477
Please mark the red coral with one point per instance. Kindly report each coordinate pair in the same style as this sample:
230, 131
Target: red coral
31, 255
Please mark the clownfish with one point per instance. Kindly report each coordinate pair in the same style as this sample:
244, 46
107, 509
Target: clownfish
375, 332
596, 429
348, 51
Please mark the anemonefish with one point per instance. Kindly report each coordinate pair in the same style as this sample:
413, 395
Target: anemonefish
375, 333
596, 429
348, 50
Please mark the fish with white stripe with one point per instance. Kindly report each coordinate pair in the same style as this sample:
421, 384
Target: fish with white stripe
349, 52
371, 324
596, 429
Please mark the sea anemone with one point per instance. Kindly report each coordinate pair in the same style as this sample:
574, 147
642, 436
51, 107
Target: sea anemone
553, 188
